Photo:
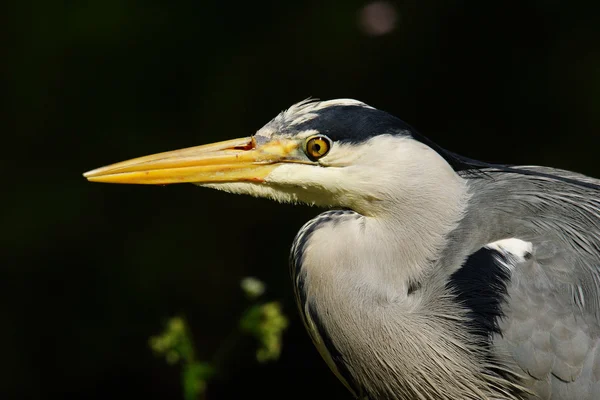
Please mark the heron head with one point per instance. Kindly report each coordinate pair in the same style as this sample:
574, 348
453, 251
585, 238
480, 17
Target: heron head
338, 153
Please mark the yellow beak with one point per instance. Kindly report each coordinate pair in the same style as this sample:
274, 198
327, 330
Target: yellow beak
234, 160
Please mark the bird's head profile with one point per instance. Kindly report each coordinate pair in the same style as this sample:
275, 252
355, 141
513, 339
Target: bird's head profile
336, 153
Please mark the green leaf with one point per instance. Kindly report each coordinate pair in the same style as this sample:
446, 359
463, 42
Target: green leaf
266, 322
195, 377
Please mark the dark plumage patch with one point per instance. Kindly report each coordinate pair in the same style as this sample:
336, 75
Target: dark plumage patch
481, 286
356, 124
413, 286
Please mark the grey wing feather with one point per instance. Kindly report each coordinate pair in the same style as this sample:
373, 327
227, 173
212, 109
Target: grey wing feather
554, 342
564, 228
551, 323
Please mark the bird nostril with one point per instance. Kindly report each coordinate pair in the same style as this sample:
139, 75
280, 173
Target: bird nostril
248, 146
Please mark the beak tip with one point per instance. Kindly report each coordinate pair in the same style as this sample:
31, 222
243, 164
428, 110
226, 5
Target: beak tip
92, 173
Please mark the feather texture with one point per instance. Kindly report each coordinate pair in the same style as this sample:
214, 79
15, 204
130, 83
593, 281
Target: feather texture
517, 322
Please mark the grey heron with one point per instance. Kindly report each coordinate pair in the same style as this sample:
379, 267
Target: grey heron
430, 276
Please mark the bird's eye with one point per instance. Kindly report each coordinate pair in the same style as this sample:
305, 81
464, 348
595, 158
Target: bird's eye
317, 147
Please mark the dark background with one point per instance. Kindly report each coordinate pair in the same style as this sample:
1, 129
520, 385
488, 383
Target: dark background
90, 271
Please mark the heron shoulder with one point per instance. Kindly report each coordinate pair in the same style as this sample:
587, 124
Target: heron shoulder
481, 283
549, 270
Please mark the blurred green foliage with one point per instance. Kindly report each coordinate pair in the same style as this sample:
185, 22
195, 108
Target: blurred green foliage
264, 321
175, 344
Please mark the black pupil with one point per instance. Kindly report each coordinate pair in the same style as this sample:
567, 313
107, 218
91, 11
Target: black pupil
317, 147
